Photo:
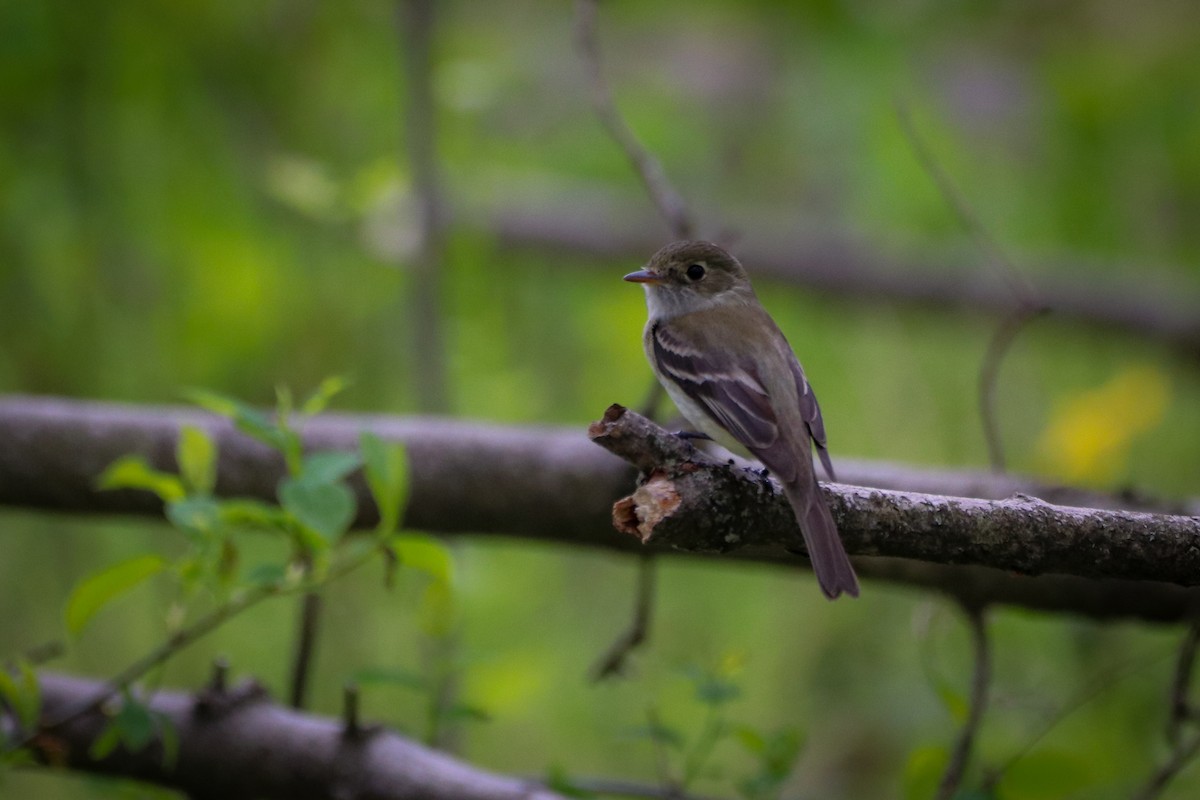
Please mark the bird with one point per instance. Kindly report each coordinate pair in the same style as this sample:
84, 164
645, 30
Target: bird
732, 374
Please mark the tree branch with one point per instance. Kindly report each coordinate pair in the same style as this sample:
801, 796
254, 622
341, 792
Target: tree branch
690, 501
669, 203
981, 677
415, 26
842, 262
539, 483
239, 744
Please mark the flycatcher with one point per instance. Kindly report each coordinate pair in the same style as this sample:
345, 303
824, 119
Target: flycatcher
733, 375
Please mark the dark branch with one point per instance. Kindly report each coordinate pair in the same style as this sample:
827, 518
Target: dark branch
539, 483
308, 625
981, 677
825, 258
239, 744
415, 23
1182, 715
614, 660
669, 203
690, 501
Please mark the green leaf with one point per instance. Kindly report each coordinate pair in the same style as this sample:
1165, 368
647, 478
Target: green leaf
319, 399
438, 610
106, 742
952, 699
265, 575
387, 476
330, 466
132, 472
923, 771
196, 515
326, 508
750, 739
97, 590
425, 554
196, 454
22, 693
248, 420
252, 514
392, 676
218, 404
169, 736
712, 689
135, 724
658, 732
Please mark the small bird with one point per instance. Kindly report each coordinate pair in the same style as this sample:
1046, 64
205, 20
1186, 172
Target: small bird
733, 375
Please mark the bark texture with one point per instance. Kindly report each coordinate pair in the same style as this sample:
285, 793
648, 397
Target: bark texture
240, 744
550, 484
689, 500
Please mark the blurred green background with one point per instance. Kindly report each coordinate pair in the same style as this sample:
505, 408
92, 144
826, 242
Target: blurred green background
203, 194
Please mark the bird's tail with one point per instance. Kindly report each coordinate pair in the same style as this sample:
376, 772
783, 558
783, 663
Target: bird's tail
832, 566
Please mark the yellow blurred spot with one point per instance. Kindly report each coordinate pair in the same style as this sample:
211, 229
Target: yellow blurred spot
1089, 436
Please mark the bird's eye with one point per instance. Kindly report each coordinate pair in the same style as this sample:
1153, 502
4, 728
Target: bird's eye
695, 272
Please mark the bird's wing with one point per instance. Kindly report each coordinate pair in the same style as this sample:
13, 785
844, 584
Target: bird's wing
810, 409
731, 393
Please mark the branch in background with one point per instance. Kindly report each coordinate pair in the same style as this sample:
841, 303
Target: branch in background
1182, 709
535, 483
614, 660
306, 642
690, 501
1022, 290
1028, 305
415, 21
669, 203
989, 372
239, 744
1184, 749
604, 225
981, 677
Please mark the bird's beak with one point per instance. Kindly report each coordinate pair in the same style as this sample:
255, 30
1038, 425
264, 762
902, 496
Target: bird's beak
644, 276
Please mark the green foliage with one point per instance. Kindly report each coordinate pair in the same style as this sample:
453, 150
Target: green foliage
132, 472
19, 691
135, 726
315, 510
774, 754
97, 590
197, 457
923, 771
386, 468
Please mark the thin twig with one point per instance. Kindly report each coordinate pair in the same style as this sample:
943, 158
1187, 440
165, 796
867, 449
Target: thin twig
614, 660
1130, 667
1183, 749
662, 759
1181, 710
306, 642
1028, 303
191, 634
1020, 287
998, 347
980, 680
669, 203
415, 23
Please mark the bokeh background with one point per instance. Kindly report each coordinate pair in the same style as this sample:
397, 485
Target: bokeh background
217, 195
